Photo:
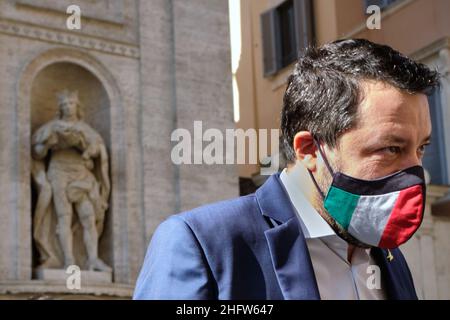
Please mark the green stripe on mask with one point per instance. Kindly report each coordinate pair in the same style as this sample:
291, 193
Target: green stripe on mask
341, 205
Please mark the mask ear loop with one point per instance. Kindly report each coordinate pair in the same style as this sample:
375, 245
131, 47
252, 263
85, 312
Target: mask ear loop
316, 141
327, 164
317, 186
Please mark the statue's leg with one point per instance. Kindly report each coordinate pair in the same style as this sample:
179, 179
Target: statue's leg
64, 213
86, 214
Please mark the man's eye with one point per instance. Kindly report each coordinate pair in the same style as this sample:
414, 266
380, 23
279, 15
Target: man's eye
423, 148
391, 150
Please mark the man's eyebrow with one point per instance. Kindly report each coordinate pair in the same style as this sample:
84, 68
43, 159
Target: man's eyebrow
427, 139
390, 138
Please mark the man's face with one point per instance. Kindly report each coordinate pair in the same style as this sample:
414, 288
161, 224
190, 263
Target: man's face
391, 132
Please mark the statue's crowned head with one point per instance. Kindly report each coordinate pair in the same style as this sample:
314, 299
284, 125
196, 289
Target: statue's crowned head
69, 105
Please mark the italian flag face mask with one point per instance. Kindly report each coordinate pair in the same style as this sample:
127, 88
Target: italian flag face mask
382, 213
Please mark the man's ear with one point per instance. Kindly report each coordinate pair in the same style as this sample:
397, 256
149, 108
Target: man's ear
305, 150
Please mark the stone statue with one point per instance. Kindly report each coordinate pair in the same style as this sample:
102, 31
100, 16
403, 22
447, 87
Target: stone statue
70, 172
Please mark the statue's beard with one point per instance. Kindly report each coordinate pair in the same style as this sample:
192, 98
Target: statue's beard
324, 181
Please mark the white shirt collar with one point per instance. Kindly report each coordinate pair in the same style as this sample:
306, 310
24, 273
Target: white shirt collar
312, 224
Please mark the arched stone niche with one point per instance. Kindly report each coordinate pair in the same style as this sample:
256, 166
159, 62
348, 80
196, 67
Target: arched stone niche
42, 77
95, 105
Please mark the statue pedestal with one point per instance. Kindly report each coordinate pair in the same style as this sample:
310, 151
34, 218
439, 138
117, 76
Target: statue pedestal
57, 290
86, 277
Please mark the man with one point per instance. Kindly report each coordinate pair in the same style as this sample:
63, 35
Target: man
355, 123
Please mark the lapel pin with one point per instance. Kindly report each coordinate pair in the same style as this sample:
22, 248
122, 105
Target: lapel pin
389, 256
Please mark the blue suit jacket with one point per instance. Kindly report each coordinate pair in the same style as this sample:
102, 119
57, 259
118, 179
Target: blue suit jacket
251, 247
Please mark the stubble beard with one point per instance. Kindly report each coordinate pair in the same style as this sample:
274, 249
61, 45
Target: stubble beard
324, 181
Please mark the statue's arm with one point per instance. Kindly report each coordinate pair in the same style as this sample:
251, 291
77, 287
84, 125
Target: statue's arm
40, 151
105, 169
97, 149
43, 139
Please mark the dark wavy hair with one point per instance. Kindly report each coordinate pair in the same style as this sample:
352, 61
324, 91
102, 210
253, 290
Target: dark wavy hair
323, 92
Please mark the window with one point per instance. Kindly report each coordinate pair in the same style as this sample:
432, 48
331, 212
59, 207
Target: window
286, 29
383, 4
286, 24
435, 160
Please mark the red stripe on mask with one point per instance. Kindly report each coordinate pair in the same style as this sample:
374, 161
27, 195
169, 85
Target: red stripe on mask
405, 218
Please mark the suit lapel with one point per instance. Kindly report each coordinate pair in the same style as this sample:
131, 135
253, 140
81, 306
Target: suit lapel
291, 261
287, 245
396, 275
